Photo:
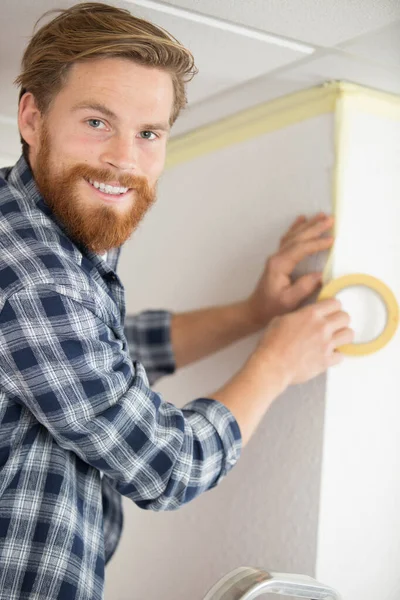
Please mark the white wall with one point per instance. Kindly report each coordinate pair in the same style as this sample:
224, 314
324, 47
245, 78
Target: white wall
10, 147
204, 243
7, 160
359, 523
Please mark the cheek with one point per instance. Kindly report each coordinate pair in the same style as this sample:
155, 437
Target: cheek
78, 145
154, 162
83, 147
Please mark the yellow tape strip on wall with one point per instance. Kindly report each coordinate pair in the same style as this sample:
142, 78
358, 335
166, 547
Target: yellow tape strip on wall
282, 112
252, 122
371, 102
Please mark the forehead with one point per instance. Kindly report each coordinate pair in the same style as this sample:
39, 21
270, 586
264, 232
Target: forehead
124, 86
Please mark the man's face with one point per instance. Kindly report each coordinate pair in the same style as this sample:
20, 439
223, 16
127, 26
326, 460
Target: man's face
108, 125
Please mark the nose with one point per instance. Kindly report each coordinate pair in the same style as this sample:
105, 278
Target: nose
121, 153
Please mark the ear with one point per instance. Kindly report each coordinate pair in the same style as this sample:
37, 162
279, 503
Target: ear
29, 120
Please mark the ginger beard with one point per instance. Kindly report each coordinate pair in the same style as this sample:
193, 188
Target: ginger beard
88, 219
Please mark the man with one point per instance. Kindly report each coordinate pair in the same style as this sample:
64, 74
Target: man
80, 425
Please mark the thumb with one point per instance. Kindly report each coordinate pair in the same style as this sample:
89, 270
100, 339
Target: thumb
303, 288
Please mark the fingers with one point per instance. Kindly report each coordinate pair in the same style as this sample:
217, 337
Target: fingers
315, 230
327, 307
295, 226
316, 219
304, 287
295, 253
338, 321
341, 332
301, 226
338, 324
342, 337
335, 359
345, 336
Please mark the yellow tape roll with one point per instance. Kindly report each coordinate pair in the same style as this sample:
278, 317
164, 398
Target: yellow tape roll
337, 285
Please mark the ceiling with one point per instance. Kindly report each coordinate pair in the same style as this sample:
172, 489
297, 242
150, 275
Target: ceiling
247, 51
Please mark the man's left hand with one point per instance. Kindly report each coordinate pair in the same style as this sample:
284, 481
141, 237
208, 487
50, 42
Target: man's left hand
276, 293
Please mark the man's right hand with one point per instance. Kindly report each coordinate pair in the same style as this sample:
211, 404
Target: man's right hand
304, 343
294, 349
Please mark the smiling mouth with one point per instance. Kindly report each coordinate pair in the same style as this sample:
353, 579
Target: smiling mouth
109, 193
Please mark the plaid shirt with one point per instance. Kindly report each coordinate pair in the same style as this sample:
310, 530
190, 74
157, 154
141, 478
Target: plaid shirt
76, 403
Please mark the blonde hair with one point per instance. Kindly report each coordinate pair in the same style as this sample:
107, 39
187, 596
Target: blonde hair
92, 30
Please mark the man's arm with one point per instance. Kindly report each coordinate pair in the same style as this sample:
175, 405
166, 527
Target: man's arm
70, 369
296, 348
148, 334
200, 333
164, 341
203, 332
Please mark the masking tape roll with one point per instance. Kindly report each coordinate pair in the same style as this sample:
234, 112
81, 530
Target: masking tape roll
337, 285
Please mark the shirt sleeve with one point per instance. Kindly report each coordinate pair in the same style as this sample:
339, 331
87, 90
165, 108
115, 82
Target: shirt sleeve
74, 374
149, 339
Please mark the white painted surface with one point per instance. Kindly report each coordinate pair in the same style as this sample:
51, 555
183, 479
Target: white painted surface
367, 312
321, 23
306, 73
204, 243
230, 58
381, 46
359, 523
10, 146
234, 100
6, 161
349, 68
221, 24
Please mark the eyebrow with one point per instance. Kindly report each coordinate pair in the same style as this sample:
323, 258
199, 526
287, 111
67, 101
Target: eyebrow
97, 106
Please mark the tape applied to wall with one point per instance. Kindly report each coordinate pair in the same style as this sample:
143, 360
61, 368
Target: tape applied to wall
352, 94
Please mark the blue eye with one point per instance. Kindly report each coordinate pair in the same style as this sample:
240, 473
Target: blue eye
145, 135
95, 121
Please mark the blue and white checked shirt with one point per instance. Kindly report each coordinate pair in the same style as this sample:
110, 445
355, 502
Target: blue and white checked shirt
75, 402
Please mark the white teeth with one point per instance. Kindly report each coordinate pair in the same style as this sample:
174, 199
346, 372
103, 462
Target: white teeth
108, 189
